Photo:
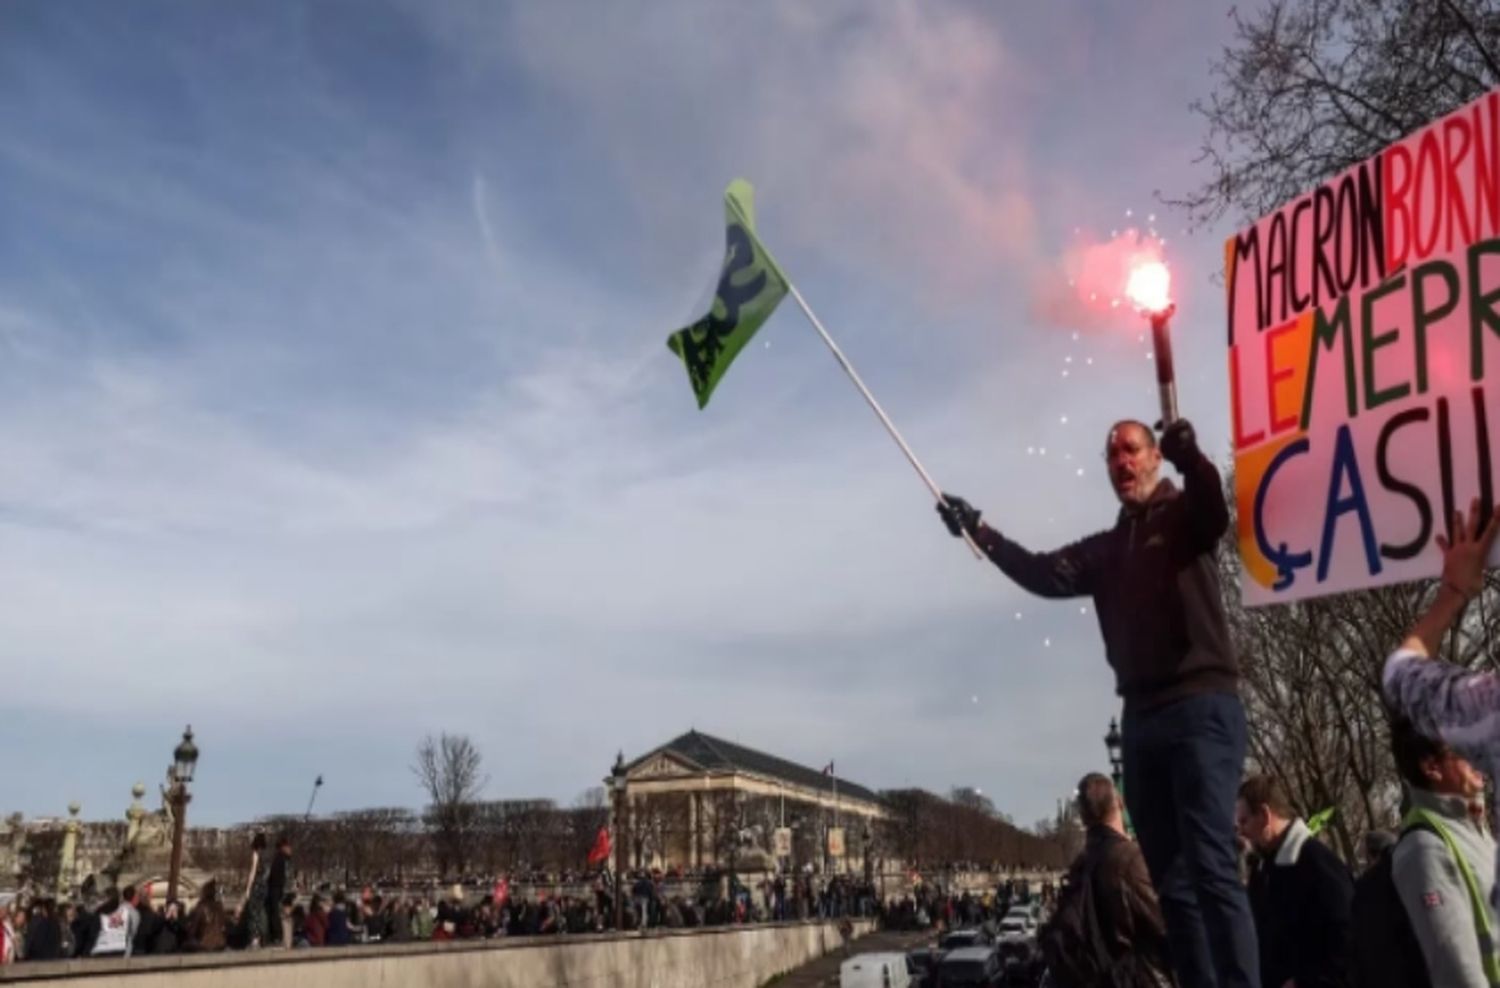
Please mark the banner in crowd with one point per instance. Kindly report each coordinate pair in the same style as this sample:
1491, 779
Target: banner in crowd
1364, 334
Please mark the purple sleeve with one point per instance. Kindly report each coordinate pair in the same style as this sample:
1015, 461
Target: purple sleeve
1444, 701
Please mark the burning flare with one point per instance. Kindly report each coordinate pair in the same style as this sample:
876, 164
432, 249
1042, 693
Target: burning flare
1149, 287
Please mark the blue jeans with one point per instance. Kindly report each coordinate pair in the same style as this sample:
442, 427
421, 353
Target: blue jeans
1183, 764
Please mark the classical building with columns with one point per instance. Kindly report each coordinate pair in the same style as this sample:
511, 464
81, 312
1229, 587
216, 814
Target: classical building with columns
699, 802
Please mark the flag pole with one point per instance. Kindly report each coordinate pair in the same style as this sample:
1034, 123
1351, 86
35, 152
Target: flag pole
875, 406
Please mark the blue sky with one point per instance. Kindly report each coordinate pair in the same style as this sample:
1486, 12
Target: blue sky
335, 407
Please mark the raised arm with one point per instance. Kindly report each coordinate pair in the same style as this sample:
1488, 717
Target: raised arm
1440, 699
1206, 513
1066, 572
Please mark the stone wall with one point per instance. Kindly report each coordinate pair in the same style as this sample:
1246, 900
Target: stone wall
739, 957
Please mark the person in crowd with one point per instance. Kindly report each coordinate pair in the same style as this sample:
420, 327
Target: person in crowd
375, 920
338, 933
1126, 913
20, 919
315, 926
642, 892
446, 926
1155, 586
1300, 893
85, 928
298, 922
67, 919
252, 918
118, 923
422, 920
170, 932
277, 876
10, 951
206, 925
44, 940
150, 921
355, 912
284, 908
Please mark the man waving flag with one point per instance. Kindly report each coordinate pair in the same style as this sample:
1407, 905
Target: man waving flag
750, 288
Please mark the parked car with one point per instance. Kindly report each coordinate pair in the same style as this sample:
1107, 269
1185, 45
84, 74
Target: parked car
970, 967
964, 938
922, 964
1021, 963
883, 970
1016, 930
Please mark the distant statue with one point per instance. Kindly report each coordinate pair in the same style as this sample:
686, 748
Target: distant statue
146, 854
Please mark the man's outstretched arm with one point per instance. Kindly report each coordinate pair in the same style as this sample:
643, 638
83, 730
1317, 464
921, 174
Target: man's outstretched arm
1065, 572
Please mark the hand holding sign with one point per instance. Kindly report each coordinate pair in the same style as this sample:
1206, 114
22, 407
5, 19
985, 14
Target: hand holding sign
1463, 558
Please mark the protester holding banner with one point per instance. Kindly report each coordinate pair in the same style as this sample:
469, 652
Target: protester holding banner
1155, 587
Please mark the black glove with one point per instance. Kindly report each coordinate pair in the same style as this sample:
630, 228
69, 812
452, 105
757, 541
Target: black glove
1179, 445
959, 515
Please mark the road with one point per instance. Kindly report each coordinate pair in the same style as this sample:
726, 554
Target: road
824, 972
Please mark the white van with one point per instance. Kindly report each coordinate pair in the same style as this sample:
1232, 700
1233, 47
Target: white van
875, 971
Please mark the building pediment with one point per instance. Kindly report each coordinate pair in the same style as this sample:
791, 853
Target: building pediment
662, 766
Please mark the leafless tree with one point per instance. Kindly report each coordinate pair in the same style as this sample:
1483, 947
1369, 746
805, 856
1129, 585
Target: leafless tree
1318, 722
448, 768
1310, 87
660, 823
581, 825
926, 831
972, 798
1307, 89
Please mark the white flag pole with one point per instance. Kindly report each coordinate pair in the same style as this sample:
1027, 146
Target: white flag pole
875, 406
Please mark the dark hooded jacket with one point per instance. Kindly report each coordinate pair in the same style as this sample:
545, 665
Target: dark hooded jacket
1155, 585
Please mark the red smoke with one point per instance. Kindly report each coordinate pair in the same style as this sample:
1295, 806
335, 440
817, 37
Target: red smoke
1086, 288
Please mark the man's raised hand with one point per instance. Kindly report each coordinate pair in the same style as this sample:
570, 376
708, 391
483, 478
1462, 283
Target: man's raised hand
1179, 445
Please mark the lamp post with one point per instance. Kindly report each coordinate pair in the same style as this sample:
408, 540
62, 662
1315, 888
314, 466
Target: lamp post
23, 862
867, 838
1115, 745
617, 792
184, 761
67, 863
317, 784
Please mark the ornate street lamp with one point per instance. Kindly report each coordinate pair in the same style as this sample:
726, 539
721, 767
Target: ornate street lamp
868, 838
1114, 743
184, 762
68, 862
617, 791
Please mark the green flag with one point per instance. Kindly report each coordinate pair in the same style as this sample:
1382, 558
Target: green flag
750, 287
1319, 820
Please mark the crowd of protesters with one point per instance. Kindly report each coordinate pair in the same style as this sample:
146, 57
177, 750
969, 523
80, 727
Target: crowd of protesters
1223, 885
129, 922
